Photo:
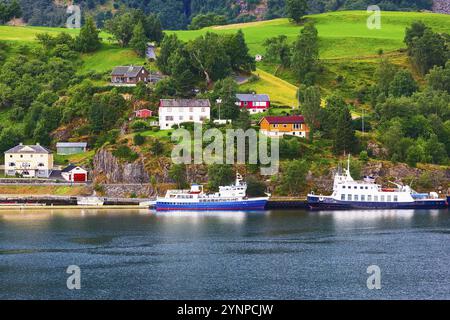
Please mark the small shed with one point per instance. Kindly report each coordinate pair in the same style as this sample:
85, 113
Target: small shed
143, 113
67, 148
74, 173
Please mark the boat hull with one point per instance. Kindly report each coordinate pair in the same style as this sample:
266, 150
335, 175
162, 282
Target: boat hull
243, 205
326, 203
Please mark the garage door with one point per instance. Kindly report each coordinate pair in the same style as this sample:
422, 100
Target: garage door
79, 177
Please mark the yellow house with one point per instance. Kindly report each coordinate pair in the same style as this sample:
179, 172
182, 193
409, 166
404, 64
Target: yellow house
29, 161
285, 125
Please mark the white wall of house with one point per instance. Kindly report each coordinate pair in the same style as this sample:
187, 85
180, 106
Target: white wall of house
272, 133
169, 116
29, 164
69, 176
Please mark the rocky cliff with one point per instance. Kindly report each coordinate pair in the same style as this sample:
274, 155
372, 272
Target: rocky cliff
108, 169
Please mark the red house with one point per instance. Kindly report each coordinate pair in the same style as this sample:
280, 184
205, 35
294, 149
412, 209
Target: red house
255, 103
143, 113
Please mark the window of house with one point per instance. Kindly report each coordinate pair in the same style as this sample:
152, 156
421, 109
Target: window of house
355, 187
12, 164
191, 109
169, 118
191, 118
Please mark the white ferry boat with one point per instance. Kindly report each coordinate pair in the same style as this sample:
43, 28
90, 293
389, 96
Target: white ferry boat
229, 198
351, 194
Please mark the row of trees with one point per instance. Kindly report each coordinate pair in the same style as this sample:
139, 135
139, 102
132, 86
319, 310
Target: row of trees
134, 28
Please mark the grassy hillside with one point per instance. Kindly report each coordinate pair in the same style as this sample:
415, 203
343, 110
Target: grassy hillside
342, 34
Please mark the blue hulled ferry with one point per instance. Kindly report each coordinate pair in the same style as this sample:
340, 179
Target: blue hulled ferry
229, 198
350, 194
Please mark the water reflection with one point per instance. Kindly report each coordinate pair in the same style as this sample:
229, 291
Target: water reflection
192, 217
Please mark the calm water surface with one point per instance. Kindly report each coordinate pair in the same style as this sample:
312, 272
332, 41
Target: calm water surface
273, 255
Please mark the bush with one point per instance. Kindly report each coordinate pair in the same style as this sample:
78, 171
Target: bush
125, 153
140, 125
138, 140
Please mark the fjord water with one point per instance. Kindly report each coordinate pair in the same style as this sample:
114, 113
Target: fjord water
137, 254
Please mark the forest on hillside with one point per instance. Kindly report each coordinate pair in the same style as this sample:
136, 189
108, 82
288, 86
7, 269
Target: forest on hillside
178, 14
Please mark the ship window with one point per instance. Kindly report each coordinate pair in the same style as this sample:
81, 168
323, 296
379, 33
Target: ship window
361, 188
356, 197
382, 198
395, 198
349, 197
375, 198
369, 198
356, 187
343, 187
363, 198
388, 198
367, 188
342, 196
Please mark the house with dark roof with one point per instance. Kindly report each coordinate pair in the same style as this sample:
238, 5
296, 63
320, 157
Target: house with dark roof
254, 103
284, 125
176, 111
29, 161
129, 75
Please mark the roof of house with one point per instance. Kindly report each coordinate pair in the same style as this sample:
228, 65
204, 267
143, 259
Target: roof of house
37, 148
70, 167
284, 119
71, 144
127, 71
253, 97
184, 103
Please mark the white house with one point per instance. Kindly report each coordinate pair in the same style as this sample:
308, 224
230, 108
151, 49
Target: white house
176, 111
29, 161
74, 173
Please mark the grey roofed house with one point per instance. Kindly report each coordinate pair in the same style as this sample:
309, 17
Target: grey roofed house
127, 71
69, 168
185, 103
29, 149
253, 97
66, 148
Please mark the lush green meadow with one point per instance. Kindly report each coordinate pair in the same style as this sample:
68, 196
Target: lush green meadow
342, 34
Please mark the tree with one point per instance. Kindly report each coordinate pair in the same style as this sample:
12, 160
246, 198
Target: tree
294, 177
153, 28
311, 108
306, 54
139, 40
344, 140
414, 155
255, 188
177, 173
278, 50
209, 56
296, 9
121, 27
201, 21
226, 91
219, 175
403, 84
105, 110
428, 51
183, 74
88, 40
243, 120
439, 78
169, 45
385, 74
238, 52
435, 150
415, 31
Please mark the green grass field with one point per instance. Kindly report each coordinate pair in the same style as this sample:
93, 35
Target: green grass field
342, 34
